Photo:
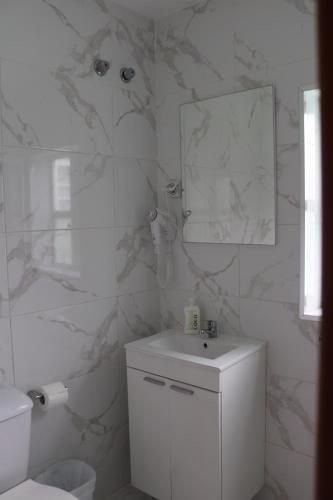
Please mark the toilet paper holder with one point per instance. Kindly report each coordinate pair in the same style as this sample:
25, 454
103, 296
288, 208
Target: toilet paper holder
35, 395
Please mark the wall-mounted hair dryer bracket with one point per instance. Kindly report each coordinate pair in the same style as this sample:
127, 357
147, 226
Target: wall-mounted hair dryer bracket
173, 189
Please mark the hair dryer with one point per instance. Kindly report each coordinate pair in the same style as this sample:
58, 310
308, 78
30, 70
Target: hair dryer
160, 229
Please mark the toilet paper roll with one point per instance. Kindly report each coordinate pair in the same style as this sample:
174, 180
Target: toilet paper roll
53, 395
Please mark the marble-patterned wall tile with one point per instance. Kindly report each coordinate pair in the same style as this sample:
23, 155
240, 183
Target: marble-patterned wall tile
4, 293
292, 343
54, 109
269, 277
288, 184
64, 343
138, 317
135, 260
78, 32
57, 190
6, 363
168, 123
291, 414
135, 190
289, 476
86, 427
185, 58
134, 124
168, 114
74, 31
287, 80
62, 265
52, 269
133, 45
272, 273
258, 25
213, 269
224, 310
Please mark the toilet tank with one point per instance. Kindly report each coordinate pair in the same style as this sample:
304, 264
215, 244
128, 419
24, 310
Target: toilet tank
15, 425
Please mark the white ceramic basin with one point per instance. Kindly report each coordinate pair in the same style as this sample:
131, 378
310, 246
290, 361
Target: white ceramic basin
195, 346
190, 359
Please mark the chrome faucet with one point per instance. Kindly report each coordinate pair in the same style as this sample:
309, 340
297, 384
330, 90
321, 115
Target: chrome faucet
210, 330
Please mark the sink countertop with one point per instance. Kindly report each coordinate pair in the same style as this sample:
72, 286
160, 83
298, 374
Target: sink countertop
161, 354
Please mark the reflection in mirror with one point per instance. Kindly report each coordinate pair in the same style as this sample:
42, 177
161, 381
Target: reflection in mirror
62, 210
228, 168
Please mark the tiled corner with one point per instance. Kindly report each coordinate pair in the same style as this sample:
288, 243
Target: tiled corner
134, 124
185, 58
135, 260
136, 190
4, 302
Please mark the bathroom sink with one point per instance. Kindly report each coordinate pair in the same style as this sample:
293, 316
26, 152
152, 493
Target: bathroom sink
193, 345
192, 359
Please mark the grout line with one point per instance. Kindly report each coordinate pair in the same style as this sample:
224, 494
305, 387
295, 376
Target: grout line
253, 299
78, 153
128, 226
92, 228
70, 306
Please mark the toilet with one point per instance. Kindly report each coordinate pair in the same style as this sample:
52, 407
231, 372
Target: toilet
15, 426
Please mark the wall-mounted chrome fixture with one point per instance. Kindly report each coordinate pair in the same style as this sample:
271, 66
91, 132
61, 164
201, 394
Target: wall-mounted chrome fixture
173, 189
186, 215
101, 67
127, 74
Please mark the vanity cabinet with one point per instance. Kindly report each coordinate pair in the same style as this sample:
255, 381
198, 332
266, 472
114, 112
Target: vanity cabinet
197, 425
175, 434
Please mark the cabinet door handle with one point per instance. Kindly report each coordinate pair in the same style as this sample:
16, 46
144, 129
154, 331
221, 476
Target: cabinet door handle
182, 390
154, 381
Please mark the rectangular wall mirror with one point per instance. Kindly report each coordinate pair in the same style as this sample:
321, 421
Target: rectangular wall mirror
228, 168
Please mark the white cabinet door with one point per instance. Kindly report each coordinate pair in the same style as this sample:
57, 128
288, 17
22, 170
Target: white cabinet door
148, 398
195, 428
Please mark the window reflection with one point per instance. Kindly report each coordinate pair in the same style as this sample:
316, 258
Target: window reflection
61, 185
63, 248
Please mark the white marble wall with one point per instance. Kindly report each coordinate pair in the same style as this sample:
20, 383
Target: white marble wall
213, 48
76, 285
78, 174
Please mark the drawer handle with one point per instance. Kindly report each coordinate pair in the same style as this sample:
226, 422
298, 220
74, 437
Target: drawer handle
182, 390
154, 381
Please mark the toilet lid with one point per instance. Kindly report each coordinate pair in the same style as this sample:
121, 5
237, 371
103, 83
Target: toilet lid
29, 490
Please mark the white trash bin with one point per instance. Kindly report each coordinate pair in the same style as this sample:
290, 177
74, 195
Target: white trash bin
73, 476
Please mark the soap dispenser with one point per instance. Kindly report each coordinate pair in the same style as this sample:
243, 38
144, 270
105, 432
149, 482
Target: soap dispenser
192, 318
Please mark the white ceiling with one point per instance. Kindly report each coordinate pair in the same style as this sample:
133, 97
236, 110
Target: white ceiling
156, 9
